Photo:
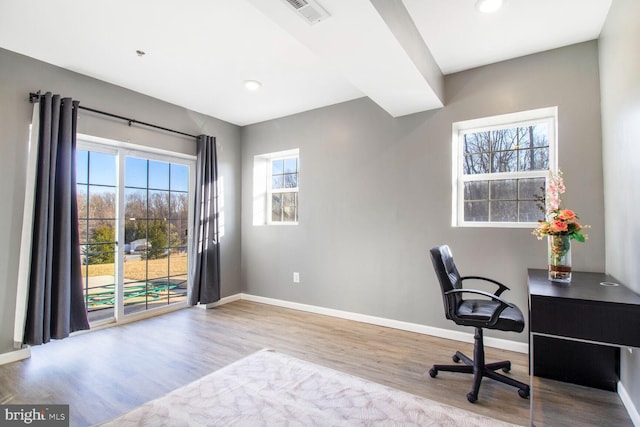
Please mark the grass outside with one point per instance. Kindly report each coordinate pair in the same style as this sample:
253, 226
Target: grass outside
175, 264
146, 283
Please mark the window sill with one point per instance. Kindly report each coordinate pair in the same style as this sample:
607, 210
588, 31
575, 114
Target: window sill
530, 225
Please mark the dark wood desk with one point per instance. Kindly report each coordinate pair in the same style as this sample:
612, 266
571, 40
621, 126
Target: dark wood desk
577, 329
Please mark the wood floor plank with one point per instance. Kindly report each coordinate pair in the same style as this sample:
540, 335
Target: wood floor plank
104, 373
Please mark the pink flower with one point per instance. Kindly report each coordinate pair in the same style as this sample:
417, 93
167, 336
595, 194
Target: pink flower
558, 226
555, 187
566, 215
558, 221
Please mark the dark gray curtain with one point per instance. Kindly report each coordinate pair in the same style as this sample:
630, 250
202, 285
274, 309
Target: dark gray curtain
205, 271
56, 305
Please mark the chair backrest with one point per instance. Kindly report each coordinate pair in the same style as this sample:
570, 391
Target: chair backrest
449, 278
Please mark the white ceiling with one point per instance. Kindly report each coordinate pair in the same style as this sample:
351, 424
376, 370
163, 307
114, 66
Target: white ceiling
460, 37
199, 52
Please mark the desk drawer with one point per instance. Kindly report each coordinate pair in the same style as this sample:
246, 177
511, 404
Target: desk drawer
588, 320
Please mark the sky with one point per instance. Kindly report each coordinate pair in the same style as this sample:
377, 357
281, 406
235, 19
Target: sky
100, 169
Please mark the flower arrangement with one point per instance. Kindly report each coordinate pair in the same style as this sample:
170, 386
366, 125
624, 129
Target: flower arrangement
560, 225
558, 222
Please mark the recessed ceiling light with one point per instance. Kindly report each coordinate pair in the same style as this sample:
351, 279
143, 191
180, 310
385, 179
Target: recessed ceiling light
252, 84
488, 6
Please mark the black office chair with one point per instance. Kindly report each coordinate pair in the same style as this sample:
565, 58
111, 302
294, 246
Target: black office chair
491, 313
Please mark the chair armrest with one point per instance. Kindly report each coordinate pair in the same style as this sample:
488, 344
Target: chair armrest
496, 313
501, 287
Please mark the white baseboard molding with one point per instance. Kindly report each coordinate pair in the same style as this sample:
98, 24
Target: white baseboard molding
628, 404
503, 344
14, 356
222, 301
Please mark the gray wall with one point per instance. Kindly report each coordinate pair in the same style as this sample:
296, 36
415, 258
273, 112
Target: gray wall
20, 75
375, 193
620, 86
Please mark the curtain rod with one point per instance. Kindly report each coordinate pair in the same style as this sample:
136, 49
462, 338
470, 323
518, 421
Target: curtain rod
35, 97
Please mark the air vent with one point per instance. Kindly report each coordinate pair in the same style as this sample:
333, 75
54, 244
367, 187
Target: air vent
297, 4
309, 10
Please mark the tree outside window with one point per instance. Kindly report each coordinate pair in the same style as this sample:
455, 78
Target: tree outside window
284, 190
501, 169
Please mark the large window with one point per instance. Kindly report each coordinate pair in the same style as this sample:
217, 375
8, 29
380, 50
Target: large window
96, 194
156, 217
134, 228
500, 167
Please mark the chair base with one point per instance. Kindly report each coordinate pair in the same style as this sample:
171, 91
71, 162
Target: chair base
479, 369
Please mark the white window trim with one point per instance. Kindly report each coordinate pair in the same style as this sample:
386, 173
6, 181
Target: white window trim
262, 186
271, 191
106, 145
542, 115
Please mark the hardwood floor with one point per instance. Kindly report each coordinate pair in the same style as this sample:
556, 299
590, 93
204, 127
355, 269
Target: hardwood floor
104, 373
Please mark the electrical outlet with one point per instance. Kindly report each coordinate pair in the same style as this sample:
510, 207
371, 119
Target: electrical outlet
296, 277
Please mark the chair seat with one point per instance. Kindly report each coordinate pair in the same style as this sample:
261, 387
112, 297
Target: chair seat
477, 312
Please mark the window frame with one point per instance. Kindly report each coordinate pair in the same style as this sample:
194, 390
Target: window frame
261, 205
121, 150
271, 191
546, 116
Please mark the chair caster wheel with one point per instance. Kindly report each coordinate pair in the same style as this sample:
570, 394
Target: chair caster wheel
433, 372
472, 398
455, 358
506, 369
523, 393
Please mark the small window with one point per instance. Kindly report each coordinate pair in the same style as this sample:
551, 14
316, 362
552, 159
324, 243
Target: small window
283, 190
500, 167
276, 181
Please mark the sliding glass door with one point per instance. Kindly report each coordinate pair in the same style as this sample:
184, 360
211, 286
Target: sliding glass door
156, 229
134, 210
96, 187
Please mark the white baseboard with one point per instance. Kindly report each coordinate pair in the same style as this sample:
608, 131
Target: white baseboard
628, 404
503, 344
14, 356
222, 301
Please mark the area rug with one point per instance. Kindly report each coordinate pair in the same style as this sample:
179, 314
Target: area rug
269, 388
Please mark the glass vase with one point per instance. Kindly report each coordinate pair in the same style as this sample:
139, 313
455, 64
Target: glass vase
559, 254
